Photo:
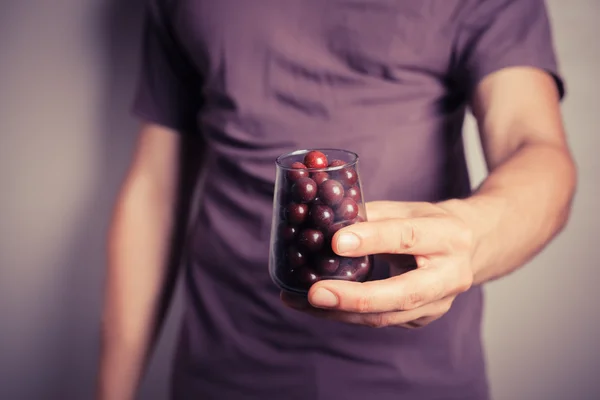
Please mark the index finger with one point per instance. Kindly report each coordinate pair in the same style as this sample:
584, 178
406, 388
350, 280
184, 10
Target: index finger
378, 210
415, 236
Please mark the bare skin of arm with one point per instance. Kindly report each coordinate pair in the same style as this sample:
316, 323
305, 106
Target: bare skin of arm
523, 203
144, 245
526, 200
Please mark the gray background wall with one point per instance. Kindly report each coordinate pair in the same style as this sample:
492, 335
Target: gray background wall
67, 70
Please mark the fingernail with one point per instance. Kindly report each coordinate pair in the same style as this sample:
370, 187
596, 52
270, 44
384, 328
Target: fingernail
347, 242
324, 298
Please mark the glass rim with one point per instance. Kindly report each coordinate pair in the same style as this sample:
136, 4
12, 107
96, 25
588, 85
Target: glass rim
279, 160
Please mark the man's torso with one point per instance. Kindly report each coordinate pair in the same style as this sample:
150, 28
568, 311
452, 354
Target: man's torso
375, 77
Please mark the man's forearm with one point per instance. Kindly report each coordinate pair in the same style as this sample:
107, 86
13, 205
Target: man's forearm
518, 209
139, 287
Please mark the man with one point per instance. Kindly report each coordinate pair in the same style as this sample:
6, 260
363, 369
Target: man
390, 80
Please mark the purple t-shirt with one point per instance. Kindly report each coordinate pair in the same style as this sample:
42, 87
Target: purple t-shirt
388, 79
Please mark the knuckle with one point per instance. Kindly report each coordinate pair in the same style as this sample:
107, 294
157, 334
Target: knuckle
363, 304
444, 307
378, 320
463, 278
408, 237
411, 301
465, 282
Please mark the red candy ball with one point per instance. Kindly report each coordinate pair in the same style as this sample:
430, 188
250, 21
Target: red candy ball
315, 159
298, 172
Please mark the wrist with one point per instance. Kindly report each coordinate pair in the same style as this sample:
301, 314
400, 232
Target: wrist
482, 214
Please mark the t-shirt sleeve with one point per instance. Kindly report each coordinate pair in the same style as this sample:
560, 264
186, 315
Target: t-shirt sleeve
168, 89
498, 34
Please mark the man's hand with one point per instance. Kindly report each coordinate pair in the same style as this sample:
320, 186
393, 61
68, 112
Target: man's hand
430, 236
523, 203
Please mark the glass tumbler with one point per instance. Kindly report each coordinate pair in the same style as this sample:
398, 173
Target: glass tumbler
317, 192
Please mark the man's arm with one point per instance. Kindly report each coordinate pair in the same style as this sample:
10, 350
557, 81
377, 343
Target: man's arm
525, 201
520, 207
143, 255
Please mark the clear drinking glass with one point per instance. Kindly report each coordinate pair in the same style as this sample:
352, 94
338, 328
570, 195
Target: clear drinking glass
317, 192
